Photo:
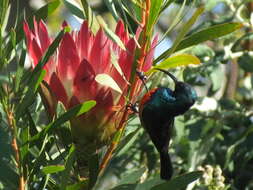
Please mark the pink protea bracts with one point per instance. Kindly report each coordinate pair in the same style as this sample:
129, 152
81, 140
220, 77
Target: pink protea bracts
71, 74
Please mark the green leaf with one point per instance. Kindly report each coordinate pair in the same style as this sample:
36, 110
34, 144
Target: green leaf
179, 182
198, 154
127, 142
216, 77
73, 112
133, 177
52, 169
3, 10
20, 69
175, 61
74, 9
133, 10
125, 187
239, 140
30, 95
6, 150
40, 157
13, 38
68, 166
181, 34
111, 6
107, 80
148, 184
32, 126
47, 10
245, 62
166, 4
80, 185
176, 19
24, 137
43, 183
154, 13
210, 33
8, 175
88, 11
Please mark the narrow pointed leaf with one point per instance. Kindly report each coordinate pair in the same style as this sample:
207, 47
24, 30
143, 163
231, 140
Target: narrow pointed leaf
134, 10
177, 18
47, 10
133, 177
73, 112
74, 9
43, 183
20, 69
126, 142
8, 175
149, 183
210, 33
90, 17
176, 61
108, 81
40, 157
68, 166
181, 34
77, 186
111, 6
30, 95
4, 4
154, 13
52, 169
13, 38
166, 4
179, 182
25, 137
125, 187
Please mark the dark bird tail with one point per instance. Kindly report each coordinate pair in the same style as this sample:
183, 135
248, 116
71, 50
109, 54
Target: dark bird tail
166, 169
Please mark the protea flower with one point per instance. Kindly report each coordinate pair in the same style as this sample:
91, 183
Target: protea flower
72, 71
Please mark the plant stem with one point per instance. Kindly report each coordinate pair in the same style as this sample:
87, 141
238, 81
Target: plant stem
134, 86
14, 144
8, 109
234, 68
233, 77
114, 144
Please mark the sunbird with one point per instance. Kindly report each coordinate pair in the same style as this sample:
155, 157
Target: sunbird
157, 110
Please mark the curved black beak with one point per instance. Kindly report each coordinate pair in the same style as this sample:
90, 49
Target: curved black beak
169, 74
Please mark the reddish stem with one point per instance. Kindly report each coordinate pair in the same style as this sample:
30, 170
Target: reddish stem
134, 89
14, 146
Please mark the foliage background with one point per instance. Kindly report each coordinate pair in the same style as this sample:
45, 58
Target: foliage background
216, 132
